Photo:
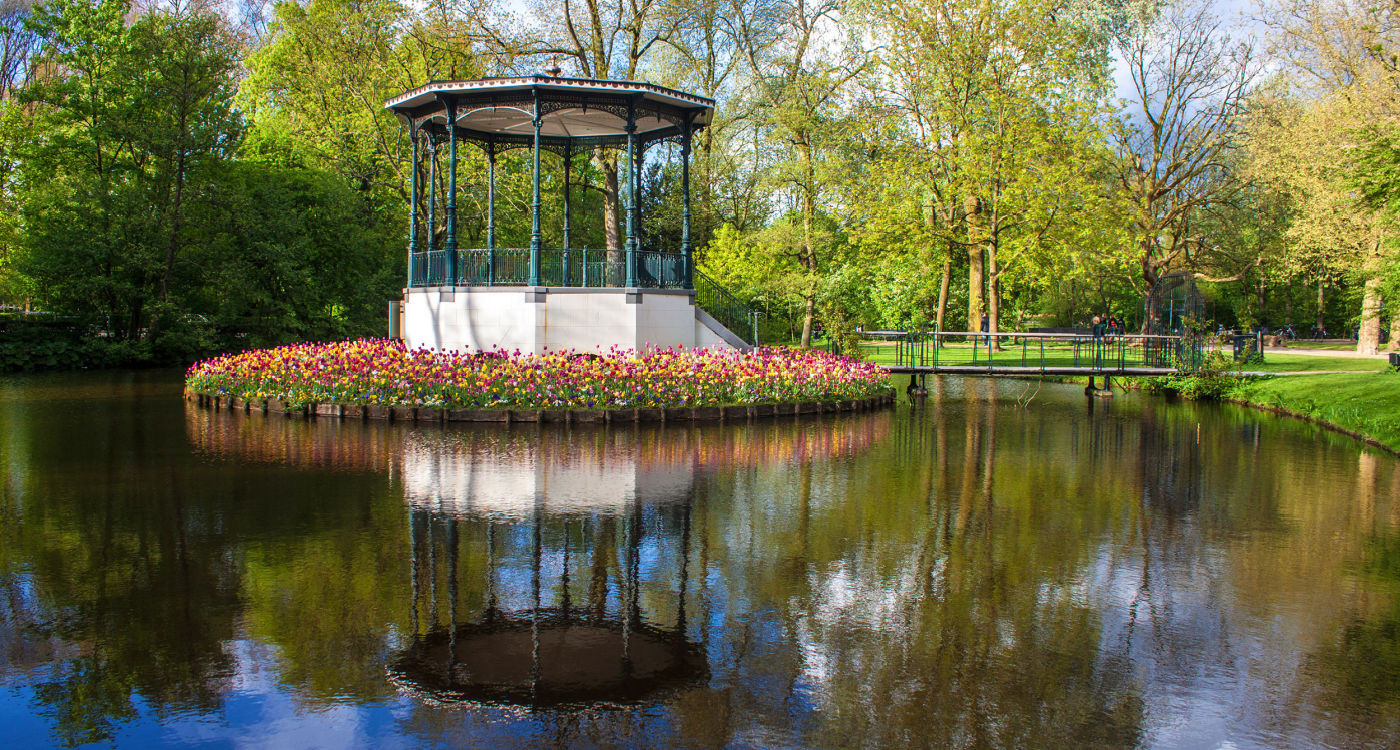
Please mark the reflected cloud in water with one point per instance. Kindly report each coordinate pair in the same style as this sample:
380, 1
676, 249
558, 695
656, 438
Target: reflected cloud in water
1001, 566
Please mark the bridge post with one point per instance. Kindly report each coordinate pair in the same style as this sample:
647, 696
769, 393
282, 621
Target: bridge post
918, 386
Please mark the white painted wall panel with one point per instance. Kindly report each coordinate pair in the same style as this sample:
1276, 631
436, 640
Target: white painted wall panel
584, 321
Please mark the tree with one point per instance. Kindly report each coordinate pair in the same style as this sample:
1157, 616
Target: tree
1174, 142
990, 107
797, 78
131, 115
139, 216
188, 118
18, 45
288, 255
1338, 89
82, 167
327, 68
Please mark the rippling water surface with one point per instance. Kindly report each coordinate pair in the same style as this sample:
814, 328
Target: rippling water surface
975, 572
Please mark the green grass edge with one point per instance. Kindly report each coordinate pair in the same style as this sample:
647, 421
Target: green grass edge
1364, 405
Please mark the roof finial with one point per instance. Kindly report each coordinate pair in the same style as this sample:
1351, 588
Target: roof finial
553, 70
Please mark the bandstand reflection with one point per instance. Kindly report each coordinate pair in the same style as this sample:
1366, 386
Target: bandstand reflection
547, 566
566, 612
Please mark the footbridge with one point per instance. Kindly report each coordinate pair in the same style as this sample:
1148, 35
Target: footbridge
921, 353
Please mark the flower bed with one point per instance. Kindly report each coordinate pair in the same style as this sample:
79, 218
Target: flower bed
376, 372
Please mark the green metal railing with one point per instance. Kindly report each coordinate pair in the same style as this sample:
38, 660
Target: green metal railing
581, 267
726, 308
1032, 351
558, 267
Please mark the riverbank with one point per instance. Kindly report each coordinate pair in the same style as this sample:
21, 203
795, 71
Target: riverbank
1353, 394
1365, 405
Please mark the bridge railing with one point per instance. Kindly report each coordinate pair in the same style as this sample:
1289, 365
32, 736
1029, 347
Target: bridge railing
725, 308
1031, 351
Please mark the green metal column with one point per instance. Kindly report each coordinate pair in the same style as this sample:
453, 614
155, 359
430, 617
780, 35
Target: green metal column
568, 162
412, 202
432, 192
535, 241
630, 162
413, 194
687, 276
637, 160
451, 243
490, 214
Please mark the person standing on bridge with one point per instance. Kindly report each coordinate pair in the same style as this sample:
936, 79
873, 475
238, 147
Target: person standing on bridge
986, 328
1097, 332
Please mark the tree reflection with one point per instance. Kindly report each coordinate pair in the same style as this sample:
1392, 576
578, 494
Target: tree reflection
951, 622
1361, 659
128, 582
979, 571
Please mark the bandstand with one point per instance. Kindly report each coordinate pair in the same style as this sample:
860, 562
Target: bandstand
537, 298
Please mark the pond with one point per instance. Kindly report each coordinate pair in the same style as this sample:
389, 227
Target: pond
1005, 565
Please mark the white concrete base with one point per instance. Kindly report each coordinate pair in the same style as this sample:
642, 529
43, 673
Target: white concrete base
458, 478
539, 319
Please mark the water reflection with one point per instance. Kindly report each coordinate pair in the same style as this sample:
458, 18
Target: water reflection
556, 611
382, 446
560, 608
1000, 566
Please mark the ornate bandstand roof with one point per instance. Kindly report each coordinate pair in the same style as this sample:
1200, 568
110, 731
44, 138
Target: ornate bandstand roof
547, 660
574, 112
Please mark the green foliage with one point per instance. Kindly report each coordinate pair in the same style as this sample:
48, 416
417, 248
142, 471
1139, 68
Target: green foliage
29, 346
1215, 380
148, 221
177, 188
292, 254
770, 270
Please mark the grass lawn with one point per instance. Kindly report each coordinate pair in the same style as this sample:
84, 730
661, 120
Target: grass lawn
1331, 346
1366, 402
1313, 363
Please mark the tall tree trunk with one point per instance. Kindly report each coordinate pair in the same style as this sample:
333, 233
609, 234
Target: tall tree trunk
176, 223
809, 250
1321, 305
809, 313
133, 321
993, 294
177, 208
943, 294
1150, 277
975, 277
1369, 336
612, 205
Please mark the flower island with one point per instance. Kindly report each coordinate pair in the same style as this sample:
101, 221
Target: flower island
384, 379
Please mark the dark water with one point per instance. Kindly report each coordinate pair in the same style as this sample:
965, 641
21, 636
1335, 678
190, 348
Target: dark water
974, 573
